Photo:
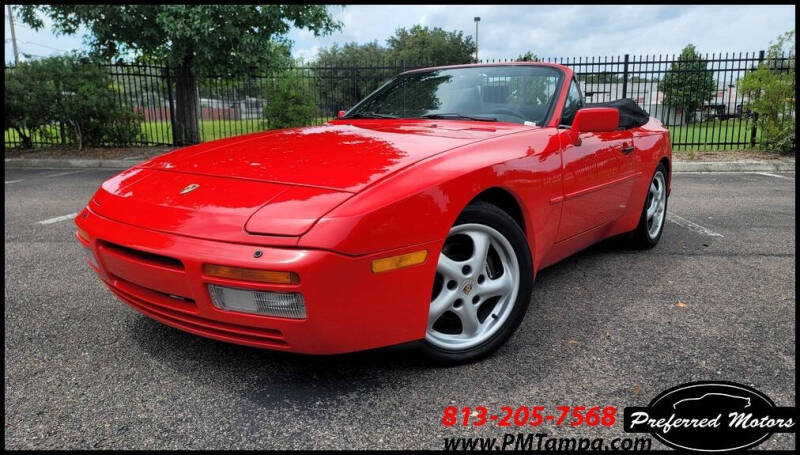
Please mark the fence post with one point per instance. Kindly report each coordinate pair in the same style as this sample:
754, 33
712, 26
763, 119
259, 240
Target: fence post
352, 86
754, 130
171, 104
625, 78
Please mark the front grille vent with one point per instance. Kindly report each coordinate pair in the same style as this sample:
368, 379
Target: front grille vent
152, 258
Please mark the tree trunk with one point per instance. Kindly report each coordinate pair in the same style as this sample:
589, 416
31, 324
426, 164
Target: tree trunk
25, 140
186, 107
77, 130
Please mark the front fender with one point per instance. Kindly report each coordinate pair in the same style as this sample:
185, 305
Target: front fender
419, 204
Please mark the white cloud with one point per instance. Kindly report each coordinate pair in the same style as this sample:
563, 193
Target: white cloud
571, 30
41, 43
306, 54
548, 30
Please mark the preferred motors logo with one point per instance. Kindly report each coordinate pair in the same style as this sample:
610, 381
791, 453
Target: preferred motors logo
711, 416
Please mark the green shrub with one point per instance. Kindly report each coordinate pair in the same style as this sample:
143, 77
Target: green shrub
770, 92
90, 107
290, 100
70, 91
30, 96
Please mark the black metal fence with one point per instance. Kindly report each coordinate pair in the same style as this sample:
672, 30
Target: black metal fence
710, 112
711, 117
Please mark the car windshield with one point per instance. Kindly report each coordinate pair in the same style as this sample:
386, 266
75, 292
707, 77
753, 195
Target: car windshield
515, 94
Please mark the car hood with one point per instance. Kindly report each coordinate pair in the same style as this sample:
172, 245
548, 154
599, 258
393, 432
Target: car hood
277, 183
345, 156
211, 207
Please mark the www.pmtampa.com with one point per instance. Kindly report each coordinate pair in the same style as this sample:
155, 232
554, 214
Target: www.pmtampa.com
543, 442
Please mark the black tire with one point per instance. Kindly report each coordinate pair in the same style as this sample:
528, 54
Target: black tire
640, 237
490, 215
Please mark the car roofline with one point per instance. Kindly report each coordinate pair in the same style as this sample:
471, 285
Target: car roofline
481, 65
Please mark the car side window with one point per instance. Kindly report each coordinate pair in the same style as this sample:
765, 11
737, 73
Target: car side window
573, 102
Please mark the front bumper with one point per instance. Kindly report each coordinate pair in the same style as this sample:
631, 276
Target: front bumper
349, 308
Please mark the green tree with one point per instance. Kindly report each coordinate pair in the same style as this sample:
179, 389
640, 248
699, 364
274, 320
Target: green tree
528, 57
350, 70
422, 45
416, 46
770, 93
602, 77
346, 84
196, 39
688, 83
353, 54
290, 99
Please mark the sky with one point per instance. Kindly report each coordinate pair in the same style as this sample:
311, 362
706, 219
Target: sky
506, 31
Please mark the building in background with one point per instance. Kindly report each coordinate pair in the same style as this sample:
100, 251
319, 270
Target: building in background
726, 104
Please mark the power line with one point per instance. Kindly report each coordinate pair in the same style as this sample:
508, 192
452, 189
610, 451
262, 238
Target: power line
25, 26
45, 46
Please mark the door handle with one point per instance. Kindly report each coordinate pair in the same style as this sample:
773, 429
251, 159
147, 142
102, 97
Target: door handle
626, 149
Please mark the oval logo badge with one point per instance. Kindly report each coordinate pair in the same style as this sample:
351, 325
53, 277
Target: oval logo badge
710, 416
189, 188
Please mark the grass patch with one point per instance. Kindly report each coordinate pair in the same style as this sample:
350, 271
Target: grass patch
728, 155
732, 134
160, 131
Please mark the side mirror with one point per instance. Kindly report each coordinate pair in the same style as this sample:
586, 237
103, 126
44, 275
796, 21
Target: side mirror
595, 119
341, 114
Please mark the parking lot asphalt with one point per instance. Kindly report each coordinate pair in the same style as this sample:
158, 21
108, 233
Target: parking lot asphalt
83, 370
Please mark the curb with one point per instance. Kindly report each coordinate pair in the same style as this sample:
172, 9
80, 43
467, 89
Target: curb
69, 163
59, 163
734, 166
677, 166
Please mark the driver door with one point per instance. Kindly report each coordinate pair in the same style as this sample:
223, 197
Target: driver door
596, 187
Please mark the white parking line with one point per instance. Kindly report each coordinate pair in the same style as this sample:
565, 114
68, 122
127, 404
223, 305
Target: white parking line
65, 173
12, 181
694, 227
775, 175
58, 218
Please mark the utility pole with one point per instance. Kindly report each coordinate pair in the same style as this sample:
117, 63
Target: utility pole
477, 19
13, 34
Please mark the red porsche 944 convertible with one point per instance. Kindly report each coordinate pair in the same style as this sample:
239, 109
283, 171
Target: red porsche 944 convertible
422, 214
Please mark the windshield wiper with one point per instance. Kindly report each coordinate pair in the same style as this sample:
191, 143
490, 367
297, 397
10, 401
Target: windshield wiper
459, 116
371, 115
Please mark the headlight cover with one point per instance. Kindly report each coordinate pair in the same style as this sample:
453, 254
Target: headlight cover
289, 305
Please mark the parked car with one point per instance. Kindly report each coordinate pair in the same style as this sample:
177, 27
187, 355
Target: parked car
719, 111
421, 215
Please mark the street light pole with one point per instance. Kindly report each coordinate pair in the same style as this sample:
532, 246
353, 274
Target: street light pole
477, 19
13, 34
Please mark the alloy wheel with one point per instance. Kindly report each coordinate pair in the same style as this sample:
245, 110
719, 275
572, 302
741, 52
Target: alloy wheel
476, 285
657, 202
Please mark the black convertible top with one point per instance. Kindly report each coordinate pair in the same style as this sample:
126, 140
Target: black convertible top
630, 114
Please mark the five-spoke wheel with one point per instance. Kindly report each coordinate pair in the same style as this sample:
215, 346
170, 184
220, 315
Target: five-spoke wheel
476, 285
657, 205
482, 285
651, 223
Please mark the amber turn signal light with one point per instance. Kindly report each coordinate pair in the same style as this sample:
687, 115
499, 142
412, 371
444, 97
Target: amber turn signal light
398, 262
83, 234
240, 273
